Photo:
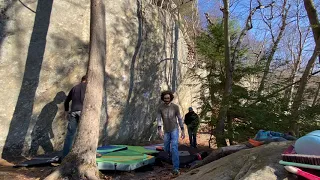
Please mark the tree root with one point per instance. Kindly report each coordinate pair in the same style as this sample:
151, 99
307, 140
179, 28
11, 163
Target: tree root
89, 172
5, 163
71, 170
55, 175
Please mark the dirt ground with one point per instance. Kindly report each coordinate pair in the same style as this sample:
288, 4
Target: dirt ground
155, 172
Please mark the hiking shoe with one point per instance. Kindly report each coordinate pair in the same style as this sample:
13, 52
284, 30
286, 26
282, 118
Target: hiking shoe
176, 172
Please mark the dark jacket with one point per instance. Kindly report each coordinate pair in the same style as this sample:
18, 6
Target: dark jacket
76, 95
192, 120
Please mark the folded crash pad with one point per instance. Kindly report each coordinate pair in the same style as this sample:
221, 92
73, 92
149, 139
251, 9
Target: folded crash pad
110, 148
309, 144
184, 160
124, 160
187, 155
142, 150
41, 160
154, 147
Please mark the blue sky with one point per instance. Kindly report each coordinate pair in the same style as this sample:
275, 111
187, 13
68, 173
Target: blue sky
240, 9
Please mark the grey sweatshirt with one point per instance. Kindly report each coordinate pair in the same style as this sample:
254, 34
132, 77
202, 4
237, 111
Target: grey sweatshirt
168, 115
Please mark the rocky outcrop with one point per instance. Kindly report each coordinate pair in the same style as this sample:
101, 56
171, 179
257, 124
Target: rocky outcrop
44, 52
251, 164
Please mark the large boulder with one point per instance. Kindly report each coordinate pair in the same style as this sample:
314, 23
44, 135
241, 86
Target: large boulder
44, 52
256, 163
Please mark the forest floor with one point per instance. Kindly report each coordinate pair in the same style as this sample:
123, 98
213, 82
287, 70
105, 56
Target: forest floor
155, 172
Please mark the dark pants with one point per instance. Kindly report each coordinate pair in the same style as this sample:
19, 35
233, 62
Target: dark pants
72, 129
192, 137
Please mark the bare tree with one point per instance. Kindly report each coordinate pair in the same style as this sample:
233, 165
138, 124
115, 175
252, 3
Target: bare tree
295, 55
80, 163
229, 67
302, 86
315, 25
275, 41
219, 132
272, 94
313, 18
316, 95
247, 27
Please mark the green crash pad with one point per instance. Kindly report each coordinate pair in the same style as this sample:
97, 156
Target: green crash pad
124, 160
142, 150
110, 148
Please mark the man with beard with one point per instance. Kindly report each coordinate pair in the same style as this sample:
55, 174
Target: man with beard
168, 114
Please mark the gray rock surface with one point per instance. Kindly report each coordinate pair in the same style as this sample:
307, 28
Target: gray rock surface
250, 164
44, 53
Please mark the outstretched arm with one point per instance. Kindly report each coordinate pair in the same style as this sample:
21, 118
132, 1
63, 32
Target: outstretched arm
51, 134
66, 104
159, 120
67, 101
160, 123
180, 122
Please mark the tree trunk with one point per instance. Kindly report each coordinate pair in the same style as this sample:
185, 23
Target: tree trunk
234, 55
161, 4
220, 139
230, 128
297, 61
274, 47
316, 96
302, 85
315, 25
289, 92
313, 18
175, 55
80, 163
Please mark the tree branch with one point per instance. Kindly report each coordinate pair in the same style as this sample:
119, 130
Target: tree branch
281, 89
208, 18
179, 6
247, 27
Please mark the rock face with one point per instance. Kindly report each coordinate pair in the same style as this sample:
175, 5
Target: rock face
251, 164
44, 53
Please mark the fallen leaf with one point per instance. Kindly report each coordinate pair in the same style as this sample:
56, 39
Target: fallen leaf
55, 164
